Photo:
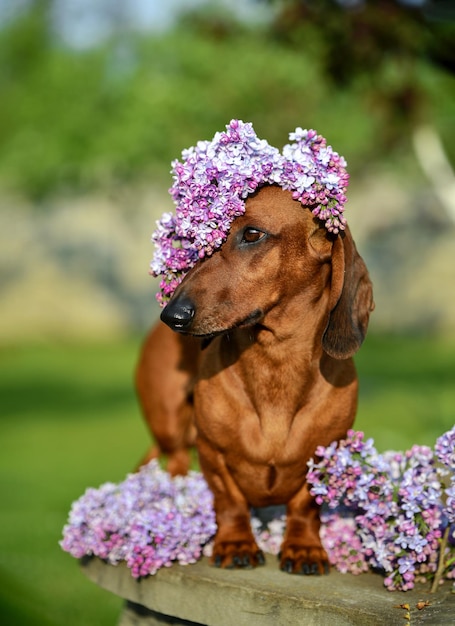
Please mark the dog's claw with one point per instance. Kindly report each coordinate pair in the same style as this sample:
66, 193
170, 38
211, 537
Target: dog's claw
304, 561
314, 569
260, 558
288, 566
240, 554
246, 562
305, 569
240, 561
217, 561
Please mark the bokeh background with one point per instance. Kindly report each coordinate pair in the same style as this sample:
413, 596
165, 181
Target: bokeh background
96, 98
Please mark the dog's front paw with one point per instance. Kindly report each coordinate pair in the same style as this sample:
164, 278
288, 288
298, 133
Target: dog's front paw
237, 554
304, 560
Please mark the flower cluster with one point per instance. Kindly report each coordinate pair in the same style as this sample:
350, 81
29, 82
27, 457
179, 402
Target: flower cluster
392, 512
445, 452
149, 520
214, 178
395, 504
342, 543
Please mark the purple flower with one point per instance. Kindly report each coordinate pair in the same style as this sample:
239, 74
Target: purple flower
149, 520
396, 501
215, 177
445, 449
382, 511
445, 453
343, 544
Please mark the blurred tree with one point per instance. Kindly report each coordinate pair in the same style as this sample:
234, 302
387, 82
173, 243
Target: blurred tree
122, 110
25, 43
377, 44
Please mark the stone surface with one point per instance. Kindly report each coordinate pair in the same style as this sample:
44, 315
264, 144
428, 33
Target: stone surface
265, 596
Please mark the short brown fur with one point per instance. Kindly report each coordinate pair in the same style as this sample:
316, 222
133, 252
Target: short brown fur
282, 318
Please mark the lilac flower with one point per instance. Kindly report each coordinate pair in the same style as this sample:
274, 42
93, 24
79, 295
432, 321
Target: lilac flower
270, 538
445, 452
150, 520
395, 501
445, 449
215, 177
342, 542
381, 511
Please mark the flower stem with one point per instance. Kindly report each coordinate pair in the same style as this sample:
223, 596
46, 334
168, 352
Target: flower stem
441, 563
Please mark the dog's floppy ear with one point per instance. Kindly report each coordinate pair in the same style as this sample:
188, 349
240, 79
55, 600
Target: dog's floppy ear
351, 300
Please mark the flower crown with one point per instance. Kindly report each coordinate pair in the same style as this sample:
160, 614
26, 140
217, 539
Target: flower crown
215, 177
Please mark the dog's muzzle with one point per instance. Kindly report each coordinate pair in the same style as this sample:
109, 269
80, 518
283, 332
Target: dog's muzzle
178, 313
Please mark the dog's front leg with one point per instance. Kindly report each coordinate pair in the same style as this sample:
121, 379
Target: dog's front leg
234, 545
301, 550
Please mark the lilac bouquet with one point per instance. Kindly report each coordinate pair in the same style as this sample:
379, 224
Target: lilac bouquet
391, 512
215, 177
150, 520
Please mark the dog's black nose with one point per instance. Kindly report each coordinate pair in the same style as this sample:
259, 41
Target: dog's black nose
179, 313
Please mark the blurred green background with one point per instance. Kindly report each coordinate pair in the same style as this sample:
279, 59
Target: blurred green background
96, 99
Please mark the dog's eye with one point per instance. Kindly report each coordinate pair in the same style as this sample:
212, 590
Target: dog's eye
252, 235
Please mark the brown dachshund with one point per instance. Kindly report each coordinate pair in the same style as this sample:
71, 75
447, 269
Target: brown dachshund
279, 309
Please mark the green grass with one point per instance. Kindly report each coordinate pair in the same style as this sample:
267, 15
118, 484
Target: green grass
70, 420
407, 391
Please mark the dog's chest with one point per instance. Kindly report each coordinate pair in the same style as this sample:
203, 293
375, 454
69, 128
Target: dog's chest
268, 463
269, 435
262, 421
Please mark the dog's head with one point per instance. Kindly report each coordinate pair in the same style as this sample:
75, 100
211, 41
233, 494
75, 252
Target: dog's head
278, 263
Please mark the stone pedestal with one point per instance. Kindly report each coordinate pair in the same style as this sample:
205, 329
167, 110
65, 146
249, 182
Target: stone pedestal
202, 594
